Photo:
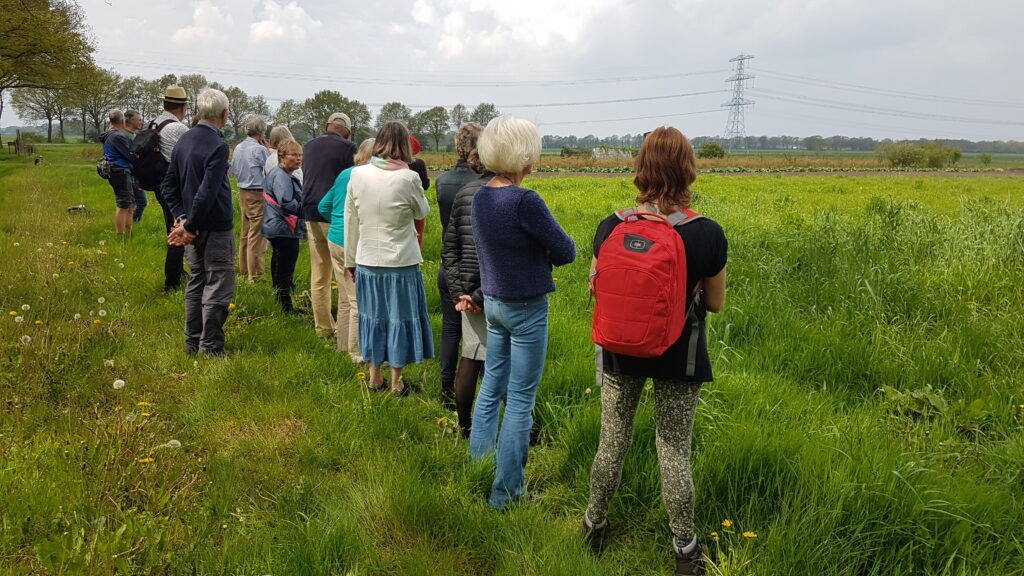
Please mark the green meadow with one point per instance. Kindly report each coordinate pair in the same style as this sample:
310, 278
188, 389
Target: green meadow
867, 416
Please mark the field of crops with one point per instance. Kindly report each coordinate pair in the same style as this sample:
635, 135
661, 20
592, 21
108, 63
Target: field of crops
867, 416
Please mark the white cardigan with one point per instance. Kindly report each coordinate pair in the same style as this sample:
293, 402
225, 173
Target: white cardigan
379, 211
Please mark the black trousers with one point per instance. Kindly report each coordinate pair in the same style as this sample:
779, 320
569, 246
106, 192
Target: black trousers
174, 262
282, 268
451, 330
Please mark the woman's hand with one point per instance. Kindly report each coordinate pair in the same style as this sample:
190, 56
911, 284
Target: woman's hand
351, 273
466, 304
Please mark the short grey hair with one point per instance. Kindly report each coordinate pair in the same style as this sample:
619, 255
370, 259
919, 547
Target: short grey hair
255, 126
130, 115
508, 145
211, 104
279, 133
115, 116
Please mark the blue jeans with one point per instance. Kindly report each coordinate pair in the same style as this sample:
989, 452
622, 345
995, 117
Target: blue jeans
517, 342
140, 201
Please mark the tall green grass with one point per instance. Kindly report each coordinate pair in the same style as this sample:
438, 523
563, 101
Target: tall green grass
866, 416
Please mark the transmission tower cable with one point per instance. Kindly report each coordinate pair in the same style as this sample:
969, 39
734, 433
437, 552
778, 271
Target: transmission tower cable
735, 131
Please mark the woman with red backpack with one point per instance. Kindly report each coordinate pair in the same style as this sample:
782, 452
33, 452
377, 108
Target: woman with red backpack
665, 170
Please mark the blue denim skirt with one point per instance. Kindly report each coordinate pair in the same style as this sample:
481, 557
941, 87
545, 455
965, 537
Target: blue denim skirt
393, 322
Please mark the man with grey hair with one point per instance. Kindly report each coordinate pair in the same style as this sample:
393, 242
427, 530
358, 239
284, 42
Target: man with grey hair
198, 193
132, 126
117, 152
323, 159
247, 166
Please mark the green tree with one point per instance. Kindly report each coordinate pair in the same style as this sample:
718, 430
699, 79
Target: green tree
458, 116
393, 112
288, 113
711, 150
484, 113
136, 93
435, 123
193, 84
95, 92
239, 110
39, 104
40, 41
326, 102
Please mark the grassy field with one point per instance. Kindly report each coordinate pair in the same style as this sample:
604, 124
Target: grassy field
867, 416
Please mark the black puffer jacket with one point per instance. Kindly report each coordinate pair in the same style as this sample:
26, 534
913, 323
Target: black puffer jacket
458, 250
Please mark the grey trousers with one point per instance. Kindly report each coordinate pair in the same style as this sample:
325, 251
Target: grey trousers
675, 404
211, 287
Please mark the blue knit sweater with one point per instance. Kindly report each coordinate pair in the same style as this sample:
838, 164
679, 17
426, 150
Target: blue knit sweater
517, 242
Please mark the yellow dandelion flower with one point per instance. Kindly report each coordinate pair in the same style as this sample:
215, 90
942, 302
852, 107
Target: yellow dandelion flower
749, 534
361, 375
12, 313
441, 420
71, 262
231, 306
146, 414
727, 523
38, 322
143, 403
145, 460
1022, 406
714, 534
555, 279
118, 408
97, 321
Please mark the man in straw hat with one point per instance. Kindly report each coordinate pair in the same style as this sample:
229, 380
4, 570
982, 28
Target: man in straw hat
175, 107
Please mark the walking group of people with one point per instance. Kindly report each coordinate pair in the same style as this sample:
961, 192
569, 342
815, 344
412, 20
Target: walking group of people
361, 208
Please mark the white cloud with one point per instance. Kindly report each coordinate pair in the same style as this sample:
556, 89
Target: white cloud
282, 23
423, 12
208, 23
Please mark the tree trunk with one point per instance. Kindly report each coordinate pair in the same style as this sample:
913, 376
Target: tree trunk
84, 130
49, 130
62, 140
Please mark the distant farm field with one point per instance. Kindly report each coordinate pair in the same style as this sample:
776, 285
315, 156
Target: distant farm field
867, 416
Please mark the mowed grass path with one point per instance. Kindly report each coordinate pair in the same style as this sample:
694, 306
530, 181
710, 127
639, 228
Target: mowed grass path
867, 417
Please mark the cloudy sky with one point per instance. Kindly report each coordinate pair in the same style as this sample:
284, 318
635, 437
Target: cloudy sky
880, 68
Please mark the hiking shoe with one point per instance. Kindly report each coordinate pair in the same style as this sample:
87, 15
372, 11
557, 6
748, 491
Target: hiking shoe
691, 564
594, 535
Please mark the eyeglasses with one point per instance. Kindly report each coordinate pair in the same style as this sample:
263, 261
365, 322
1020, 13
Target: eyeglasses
292, 155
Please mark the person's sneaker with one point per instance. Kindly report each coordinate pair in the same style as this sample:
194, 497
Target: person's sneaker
594, 535
691, 564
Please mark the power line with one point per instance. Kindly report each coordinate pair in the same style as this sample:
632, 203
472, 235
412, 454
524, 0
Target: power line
825, 103
397, 82
883, 91
716, 110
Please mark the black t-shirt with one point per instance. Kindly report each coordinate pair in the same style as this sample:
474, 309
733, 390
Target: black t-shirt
706, 251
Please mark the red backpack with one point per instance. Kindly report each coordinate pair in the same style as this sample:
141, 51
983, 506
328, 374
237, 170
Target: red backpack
639, 285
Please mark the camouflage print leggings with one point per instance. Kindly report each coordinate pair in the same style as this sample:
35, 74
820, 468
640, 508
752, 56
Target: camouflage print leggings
674, 406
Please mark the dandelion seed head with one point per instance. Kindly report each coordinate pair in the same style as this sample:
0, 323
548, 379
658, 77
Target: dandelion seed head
118, 384
102, 312
78, 316
121, 265
55, 275
108, 363
588, 391
49, 244
101, 300
103, 242
26, 339
26, 307
19, 319
16, 244
173, 444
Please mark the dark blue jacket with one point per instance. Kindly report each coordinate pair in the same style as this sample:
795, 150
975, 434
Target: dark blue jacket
323, 159
196, 185
517, 242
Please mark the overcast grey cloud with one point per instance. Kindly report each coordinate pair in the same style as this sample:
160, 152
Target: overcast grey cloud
899, 69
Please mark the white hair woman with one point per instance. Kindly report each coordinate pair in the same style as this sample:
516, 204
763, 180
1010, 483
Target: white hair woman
278, 134
383, 255
283, 224
517, 243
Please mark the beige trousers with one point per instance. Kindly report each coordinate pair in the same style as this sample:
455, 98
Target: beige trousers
252, 246
346, 325
320, 269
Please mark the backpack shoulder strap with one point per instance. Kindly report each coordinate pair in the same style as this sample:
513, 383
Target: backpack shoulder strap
164, 124
623, 214
683, 217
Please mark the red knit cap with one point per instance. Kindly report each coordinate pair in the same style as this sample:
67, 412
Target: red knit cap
415, 145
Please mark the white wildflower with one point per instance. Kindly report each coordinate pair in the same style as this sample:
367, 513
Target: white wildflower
101, 300
26, 339
103, 313
118, 384
103, 242
26, 307
55, 275
121, 265
16, 244
19, 319
78, 316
